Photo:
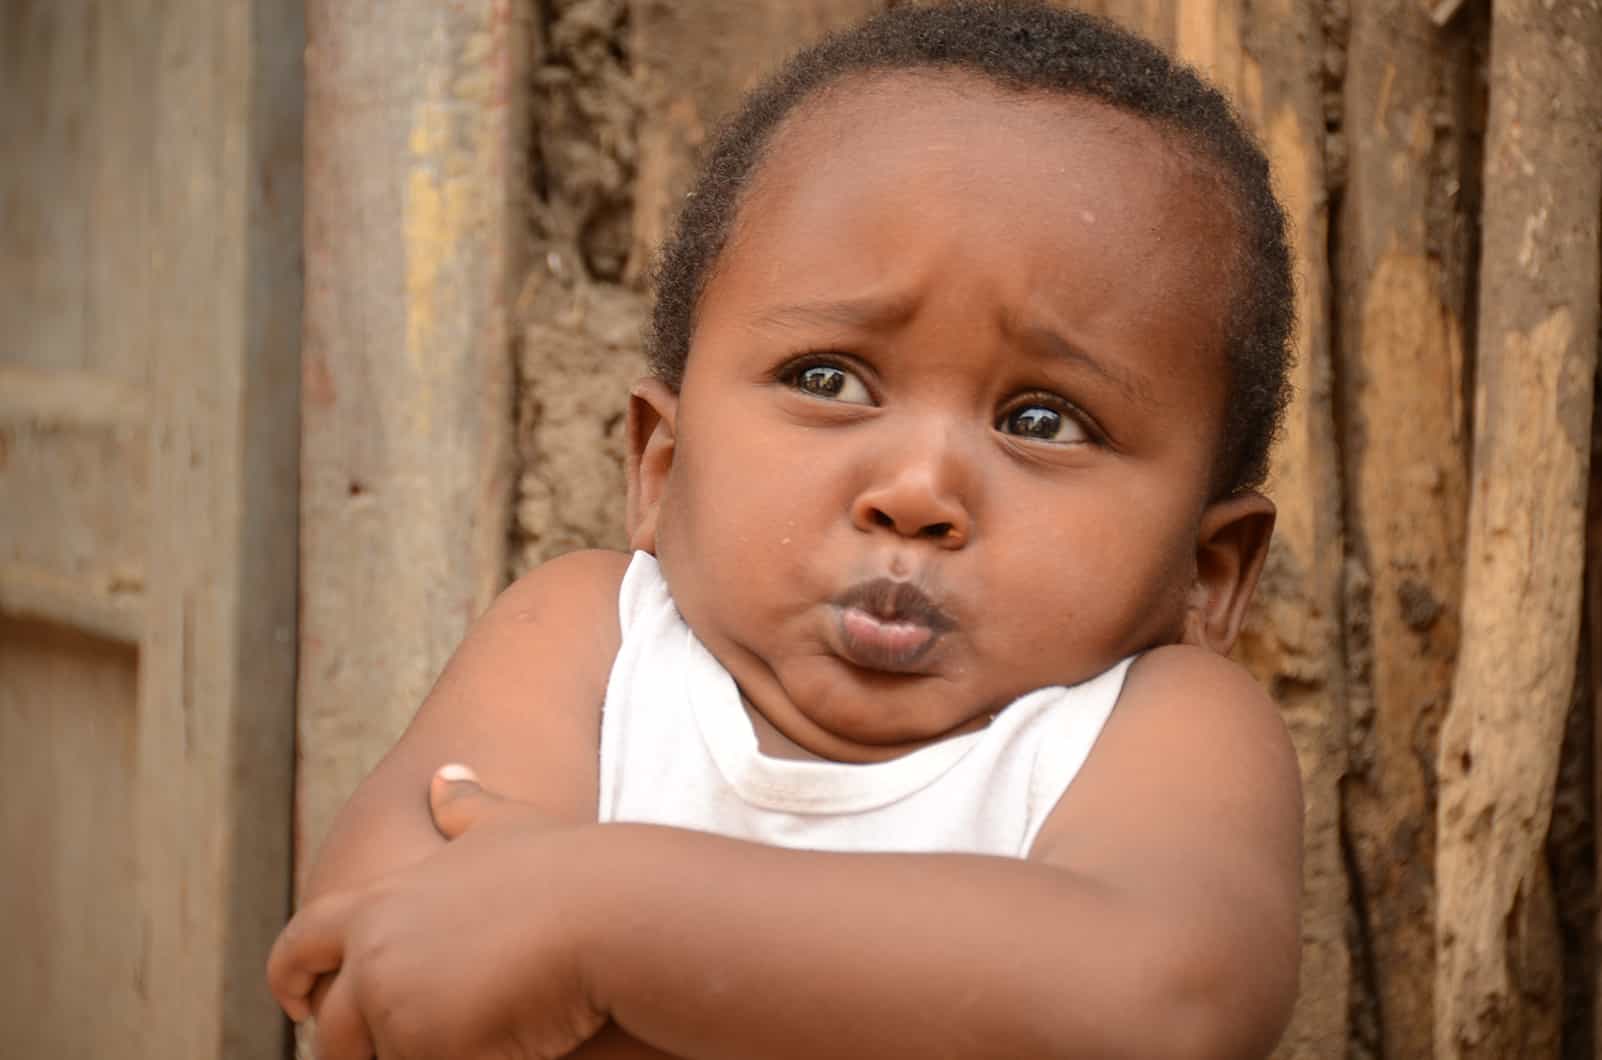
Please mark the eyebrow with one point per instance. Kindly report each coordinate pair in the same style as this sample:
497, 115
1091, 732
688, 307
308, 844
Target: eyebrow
1134, 384
868, 313
873, 314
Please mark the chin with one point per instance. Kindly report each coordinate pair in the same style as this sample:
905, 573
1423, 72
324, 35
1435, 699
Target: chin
867, 735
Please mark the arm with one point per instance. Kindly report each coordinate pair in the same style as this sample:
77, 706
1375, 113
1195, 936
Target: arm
520, 700
1156, 917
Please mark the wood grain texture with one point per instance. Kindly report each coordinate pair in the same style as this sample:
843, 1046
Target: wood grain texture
1405, 450
29, 592
1270, 65
73, 488
414, 232
214, 734
71, 984
1592, 650
1496, 992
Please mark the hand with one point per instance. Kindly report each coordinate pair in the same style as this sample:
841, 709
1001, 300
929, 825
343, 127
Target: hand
471, 953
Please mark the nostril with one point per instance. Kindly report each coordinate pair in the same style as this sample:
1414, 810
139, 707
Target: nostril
937, 530
882, 519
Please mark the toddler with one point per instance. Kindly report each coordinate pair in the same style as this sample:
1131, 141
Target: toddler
907, 729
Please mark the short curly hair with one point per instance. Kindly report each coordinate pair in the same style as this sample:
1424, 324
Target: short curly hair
1027, 46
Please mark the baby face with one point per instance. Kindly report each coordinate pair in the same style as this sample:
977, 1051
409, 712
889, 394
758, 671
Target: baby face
948, 424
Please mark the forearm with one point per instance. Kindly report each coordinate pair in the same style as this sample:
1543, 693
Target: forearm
375, 833
714, 948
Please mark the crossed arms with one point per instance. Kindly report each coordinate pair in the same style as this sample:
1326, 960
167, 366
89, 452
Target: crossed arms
1155, 917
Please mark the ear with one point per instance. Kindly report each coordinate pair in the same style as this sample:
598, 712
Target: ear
652, 431
1231, 545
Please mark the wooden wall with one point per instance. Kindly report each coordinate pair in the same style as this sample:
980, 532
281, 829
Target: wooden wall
149, 334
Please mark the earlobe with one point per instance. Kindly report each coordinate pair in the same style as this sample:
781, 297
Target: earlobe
1231, 545
652, 432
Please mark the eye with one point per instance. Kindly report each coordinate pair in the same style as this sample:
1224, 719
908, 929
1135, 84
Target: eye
1042, 423
830, 382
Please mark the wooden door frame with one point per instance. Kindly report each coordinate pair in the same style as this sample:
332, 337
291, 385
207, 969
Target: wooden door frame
217, 646
416, 223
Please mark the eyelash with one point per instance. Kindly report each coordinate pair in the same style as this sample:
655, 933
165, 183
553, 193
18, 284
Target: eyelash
790, 374
1058, 404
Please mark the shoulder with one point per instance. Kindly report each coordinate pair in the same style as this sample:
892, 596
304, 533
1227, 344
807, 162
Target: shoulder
561, 616
1188, 718
1193, 724
578, 582
1190, 806
521, 699
1189, 689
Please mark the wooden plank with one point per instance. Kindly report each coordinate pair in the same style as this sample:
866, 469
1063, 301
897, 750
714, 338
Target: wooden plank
1496, 988
415, 215
1405, 448
1443, 11
67, 914
734, 44
72, 537
45, 213
1592, 650
1271, 64
42, 399
28, 592
73, 489
214, 737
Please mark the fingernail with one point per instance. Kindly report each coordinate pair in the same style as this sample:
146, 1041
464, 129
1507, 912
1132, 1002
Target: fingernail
455, 771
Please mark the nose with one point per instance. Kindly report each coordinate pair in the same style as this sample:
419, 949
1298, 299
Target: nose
921, 494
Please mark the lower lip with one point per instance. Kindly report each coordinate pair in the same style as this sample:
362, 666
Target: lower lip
876, 644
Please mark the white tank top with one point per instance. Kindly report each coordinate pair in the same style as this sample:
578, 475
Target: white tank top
677, 748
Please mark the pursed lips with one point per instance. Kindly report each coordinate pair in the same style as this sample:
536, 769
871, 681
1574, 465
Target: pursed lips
888, 625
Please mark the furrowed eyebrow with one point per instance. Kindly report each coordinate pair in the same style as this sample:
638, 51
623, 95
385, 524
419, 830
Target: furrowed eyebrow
865, 313
1134, 385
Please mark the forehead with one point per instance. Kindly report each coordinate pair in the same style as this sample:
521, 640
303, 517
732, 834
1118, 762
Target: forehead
883, 178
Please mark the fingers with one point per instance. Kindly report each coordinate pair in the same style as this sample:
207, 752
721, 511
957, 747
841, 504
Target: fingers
311, 945
342, 1033
458, 802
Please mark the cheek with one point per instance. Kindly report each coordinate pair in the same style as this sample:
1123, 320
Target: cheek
1112, 577
724, 510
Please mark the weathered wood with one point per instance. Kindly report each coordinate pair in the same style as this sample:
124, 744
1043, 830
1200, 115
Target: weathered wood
73, 494
72, 529
45, 114
55, 400
214, 733
1592, 649
1495, 988
28, 592
1270, 64
1443, 11
415, 222
67, 913
693, 62
1406, 498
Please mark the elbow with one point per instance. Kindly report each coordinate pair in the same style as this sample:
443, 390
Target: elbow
1218, 1004
1180, 995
